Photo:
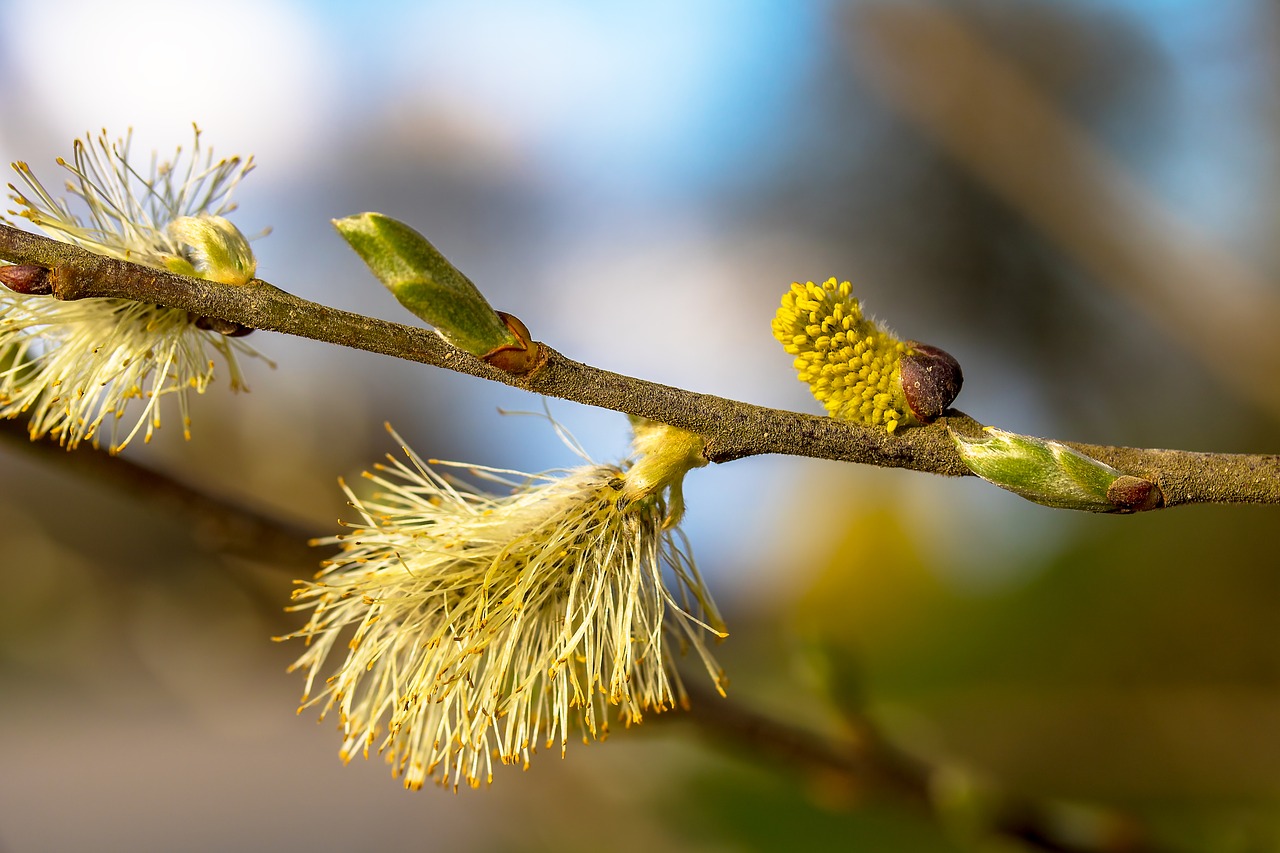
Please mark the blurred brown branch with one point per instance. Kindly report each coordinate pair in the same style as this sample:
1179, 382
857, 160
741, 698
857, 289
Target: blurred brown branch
732, 429
934, 67
871, 766
219, 523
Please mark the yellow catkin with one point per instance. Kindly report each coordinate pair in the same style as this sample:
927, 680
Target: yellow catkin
852, 365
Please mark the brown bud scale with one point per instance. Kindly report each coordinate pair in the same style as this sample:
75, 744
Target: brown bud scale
518, 358
29, 279
223, 327
931, 379
1134, 494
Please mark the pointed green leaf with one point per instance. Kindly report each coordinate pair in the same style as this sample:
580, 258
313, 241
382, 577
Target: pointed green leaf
425, 282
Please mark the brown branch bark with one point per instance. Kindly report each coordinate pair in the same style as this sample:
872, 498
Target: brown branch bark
732, 429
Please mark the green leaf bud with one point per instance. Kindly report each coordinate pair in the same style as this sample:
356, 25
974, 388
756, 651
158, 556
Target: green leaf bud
1050, 473
427, 284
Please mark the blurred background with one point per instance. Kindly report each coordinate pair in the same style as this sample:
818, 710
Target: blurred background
1074, 199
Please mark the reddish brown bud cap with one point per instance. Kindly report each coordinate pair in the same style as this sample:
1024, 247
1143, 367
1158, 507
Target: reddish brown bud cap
931, 379
519, 358
1134, 494
30, 279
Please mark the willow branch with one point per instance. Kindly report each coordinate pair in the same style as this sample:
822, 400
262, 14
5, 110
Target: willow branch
733, 429
220, 524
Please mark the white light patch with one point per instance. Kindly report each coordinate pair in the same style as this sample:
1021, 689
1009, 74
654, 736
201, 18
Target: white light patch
247, 72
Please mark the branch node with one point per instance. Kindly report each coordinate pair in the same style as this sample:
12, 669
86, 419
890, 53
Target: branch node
67, 283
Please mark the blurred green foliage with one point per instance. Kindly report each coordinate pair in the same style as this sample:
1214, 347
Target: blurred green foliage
1138, 665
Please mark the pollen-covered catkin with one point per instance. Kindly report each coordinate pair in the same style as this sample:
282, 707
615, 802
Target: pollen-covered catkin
463, 628
851, 364
69, 366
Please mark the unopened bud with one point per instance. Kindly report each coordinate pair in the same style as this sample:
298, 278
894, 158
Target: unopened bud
1053, 474
215, 249
426, 283
227, 328
30, 279
1134, 494
931, 379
